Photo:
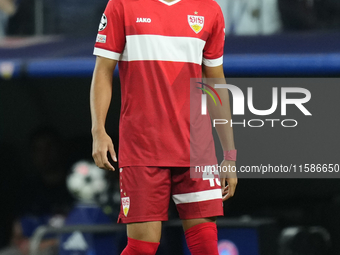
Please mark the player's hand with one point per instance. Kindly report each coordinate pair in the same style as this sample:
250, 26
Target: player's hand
102, 144
228, 179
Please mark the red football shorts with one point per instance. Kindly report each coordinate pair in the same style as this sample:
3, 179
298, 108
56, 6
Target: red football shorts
145, 194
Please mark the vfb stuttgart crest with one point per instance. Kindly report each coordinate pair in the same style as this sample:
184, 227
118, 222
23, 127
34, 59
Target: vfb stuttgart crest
196, 23
126, 205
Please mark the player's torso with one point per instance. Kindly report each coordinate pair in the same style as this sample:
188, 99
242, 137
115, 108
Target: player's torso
159, 30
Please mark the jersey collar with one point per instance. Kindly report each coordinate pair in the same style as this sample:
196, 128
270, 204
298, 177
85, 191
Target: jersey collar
169, 3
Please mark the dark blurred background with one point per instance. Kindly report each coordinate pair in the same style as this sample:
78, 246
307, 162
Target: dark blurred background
46, 64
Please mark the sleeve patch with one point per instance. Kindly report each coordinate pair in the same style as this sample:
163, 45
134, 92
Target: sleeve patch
101, 38
103, 23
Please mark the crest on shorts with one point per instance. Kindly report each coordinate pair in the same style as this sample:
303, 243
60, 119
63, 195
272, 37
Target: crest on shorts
125, 205
196, 23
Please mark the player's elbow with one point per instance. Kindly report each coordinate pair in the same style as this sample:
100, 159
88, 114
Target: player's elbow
213, 72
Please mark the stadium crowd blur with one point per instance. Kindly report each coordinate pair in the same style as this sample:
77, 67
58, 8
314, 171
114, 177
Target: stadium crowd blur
34, 184
242, 17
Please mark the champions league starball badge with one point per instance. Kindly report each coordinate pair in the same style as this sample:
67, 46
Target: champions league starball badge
103, 23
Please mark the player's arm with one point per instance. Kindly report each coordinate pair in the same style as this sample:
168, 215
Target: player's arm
100, 98
225, 132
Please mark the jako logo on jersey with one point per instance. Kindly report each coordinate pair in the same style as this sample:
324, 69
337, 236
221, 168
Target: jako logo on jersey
204, 99
196, 23
143, 20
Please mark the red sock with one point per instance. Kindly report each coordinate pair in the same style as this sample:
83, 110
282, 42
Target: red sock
137, 247
202, 239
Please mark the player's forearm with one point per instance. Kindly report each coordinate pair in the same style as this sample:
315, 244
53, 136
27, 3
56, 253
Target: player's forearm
101, 94
100, 102
225, 133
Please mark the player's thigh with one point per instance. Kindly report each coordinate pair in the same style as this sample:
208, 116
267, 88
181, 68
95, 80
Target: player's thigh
195, 198
145, 231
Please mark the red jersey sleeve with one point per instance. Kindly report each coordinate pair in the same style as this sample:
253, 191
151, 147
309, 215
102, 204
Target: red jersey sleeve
110, 40
213, 50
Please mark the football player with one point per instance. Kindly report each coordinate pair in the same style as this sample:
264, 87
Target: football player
161, 46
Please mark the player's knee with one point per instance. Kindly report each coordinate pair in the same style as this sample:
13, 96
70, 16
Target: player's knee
193, 222
138, 247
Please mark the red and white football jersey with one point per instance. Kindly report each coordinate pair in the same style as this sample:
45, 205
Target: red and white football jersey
160, 47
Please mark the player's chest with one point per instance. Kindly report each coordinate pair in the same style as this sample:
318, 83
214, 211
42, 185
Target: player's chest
160, 19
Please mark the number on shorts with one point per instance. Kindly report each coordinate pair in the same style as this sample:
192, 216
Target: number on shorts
210, 175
